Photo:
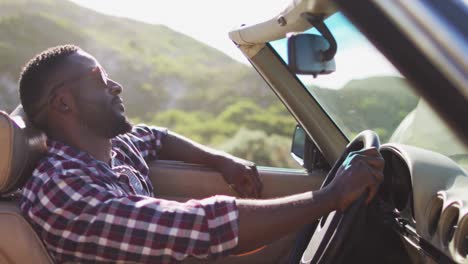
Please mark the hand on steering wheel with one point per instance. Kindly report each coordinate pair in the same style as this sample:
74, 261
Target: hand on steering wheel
326, 243
361, 171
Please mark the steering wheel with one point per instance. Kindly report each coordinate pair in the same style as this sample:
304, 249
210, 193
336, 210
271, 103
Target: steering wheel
331, 238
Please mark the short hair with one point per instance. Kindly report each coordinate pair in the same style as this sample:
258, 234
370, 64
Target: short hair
36, 72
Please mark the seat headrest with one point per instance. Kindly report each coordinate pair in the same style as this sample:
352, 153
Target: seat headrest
21, 145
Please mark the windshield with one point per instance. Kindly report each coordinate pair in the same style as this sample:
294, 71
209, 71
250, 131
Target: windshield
367, 92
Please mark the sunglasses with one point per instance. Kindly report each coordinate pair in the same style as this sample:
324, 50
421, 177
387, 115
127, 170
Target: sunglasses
96, 72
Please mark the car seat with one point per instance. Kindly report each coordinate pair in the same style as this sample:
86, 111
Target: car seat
21, 145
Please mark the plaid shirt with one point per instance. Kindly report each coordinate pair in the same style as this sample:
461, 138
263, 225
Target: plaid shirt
87, 211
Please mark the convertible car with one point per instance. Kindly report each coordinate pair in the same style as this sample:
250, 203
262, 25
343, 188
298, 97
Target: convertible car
331, 63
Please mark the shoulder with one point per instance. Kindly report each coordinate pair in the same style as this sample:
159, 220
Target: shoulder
142, 130
143, 137
48, 171
52, 167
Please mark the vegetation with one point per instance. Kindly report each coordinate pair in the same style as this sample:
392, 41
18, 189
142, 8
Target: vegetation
174, 81
159, 68
243, 129
377, 103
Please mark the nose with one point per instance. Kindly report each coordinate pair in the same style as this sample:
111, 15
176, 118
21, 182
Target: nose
114, 87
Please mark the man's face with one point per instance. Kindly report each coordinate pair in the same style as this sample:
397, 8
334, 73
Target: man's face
97, 101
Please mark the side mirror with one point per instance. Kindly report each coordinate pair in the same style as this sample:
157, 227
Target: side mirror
305, 152
307, 55
298, 145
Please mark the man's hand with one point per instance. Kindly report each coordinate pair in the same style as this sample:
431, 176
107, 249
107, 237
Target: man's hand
361, 171
242, 177
263, 221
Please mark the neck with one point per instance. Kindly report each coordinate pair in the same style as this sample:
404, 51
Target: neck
99, 148
81, 138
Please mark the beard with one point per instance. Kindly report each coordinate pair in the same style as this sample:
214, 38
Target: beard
118, 125
107, 122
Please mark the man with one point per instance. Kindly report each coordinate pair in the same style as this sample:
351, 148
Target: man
90, 198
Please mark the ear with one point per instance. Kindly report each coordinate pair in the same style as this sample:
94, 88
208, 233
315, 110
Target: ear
61, 102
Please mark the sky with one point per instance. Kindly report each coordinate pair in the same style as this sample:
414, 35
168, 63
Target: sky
356, 57
195, 18
199, 20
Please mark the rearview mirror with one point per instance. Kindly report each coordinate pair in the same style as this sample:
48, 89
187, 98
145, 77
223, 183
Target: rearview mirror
306, 55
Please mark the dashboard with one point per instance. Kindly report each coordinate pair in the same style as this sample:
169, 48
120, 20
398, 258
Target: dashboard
428, 196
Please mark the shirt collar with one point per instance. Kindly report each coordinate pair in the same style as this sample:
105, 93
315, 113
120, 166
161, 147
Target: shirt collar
58, 148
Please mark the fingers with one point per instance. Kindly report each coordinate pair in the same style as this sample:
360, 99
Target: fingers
257, 183
373, 171
238, 190
372, 151
374, 160
253, 187
239, 185
367, 152
245, 181
376, 178
365, 174
251, 183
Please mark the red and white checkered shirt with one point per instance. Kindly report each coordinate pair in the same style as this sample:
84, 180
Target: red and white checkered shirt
87, 211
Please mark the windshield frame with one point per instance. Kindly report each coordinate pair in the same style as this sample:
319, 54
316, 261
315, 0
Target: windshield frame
304, 108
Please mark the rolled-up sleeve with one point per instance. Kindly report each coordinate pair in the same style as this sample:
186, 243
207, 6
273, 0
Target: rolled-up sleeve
82, 219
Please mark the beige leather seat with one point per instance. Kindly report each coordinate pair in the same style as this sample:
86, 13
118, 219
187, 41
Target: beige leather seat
20, 147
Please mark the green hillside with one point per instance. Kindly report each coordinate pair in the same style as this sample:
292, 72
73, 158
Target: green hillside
158, 67
377, 103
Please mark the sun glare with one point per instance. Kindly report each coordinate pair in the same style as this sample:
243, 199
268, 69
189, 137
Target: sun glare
208, 21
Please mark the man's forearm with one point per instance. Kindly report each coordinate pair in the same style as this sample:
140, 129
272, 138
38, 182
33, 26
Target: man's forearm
263, 221
238, 173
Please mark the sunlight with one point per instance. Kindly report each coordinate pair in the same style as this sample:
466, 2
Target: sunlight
208, 21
